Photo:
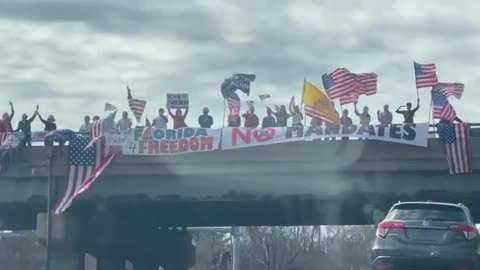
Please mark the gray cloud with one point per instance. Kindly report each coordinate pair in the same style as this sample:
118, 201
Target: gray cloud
113, 17
74, 56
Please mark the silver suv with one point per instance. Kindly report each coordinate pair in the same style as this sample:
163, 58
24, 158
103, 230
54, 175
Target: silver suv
426, 235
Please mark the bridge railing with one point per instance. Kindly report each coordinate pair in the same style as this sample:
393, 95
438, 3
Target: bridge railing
474, 130
432, 132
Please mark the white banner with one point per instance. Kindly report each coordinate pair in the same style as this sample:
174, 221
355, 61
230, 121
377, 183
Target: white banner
151, 142
412, 134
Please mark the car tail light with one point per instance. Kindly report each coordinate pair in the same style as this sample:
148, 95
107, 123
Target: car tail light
469, 231
384, 227
382, 267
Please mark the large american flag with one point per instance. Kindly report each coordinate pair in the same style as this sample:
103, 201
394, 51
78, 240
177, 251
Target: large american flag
456, 140
349, 98
425, 75
450, 89
137, 106
85, 164
442, 109
9, 141
339, 83
366, 83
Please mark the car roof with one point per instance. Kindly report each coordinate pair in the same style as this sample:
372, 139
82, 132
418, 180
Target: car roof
431, 203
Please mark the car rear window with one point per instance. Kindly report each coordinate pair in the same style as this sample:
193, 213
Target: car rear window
428, 212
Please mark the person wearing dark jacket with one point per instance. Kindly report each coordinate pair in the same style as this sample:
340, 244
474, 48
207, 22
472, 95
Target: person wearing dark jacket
25, 127
205, 120
49, 123
269, 120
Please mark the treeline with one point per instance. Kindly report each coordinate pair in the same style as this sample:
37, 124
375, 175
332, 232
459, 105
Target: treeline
261, 248
289, 248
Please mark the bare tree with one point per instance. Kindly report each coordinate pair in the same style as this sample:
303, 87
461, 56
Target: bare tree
280, 248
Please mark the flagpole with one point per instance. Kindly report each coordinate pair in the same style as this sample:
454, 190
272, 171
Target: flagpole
51, 187
303, 93
224, 109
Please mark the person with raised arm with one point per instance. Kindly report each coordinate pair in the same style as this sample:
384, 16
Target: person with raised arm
6, 122
25, 127
365, 117
178, 118
385, 117
408, 114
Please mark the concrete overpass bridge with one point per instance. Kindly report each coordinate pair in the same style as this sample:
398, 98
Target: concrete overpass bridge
300, 183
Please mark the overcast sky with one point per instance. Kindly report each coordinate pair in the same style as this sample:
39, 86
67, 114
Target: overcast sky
72, 57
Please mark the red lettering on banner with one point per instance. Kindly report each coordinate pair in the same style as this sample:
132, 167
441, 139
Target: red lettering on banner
152, 147
173, 146
238, 132
206, 143
263, 135
194, 144
163, 146
183, 145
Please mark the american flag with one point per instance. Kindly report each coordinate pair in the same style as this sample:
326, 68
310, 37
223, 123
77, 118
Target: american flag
100, 127
425, 75
441, 107
233, 104
84, 166
456, 140
339, 83
367, 83
349, 98
137, 106
450, 89
10, 140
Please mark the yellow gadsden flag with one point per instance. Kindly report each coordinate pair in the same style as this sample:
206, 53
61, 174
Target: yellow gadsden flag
317, 104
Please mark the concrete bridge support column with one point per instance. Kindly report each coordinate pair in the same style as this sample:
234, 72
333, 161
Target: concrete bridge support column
145, 265
64, 251
66, 258
110, 263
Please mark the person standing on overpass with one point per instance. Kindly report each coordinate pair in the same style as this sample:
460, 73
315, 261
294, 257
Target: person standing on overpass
408, 114
6, 122
205, 120
25, 127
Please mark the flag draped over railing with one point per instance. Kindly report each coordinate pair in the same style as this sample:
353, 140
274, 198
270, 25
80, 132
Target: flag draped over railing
85, 164
9, 142
456, 140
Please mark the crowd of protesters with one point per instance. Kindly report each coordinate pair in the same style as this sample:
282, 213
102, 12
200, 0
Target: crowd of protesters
277, 118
